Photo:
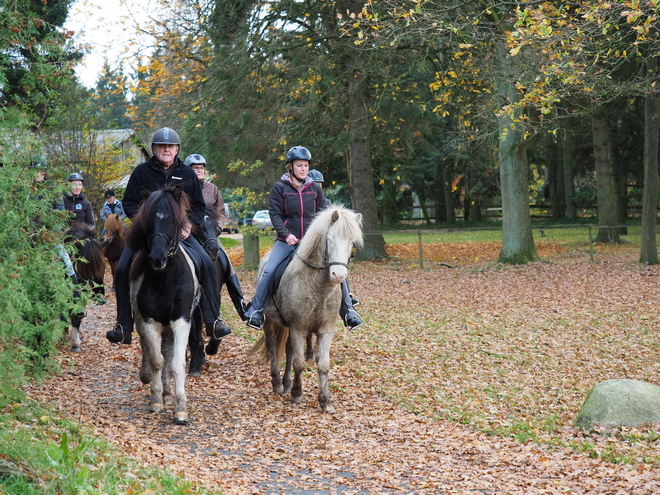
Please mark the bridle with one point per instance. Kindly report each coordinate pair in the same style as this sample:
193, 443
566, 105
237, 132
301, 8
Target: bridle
326, 260
173, 245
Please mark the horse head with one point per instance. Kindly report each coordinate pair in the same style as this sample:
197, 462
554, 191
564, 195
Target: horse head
157, 225
330, 240
207, 234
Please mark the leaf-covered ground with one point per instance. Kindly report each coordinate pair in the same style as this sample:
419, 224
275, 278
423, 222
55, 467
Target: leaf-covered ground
466, 378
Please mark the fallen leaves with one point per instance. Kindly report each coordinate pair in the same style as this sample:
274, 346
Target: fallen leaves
446, 354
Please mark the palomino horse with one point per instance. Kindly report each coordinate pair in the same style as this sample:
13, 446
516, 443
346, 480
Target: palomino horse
89, 266
113, 242
307, 301
164, 292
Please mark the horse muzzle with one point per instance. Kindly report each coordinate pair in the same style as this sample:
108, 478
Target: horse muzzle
338, 274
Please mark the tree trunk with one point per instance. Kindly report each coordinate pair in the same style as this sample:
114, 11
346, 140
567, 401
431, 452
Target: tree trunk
649, 248
517, 239
449, 194
606, 185
358, 158
568, 155
440, 193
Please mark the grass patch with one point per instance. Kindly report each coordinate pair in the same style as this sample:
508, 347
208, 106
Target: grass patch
43, 453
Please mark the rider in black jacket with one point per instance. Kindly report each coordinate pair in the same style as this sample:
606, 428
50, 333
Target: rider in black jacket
162, 170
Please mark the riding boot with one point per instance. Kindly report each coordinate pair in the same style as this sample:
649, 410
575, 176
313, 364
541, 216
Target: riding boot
240, 303
349, 316
122, 333
216, 330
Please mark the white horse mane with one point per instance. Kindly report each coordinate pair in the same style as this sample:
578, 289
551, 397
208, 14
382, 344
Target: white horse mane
346, 226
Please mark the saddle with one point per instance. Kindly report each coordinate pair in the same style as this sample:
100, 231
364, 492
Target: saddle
194, 256
276, 278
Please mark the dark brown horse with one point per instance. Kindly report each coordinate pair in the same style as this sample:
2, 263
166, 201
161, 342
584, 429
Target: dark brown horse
89, 265
113, 242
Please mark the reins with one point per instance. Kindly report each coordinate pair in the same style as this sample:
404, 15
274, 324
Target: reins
327, 262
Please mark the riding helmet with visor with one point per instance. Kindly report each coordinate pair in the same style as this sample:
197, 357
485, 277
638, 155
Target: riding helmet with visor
165, 135
298, 153
75, 176
315, 175
195, 159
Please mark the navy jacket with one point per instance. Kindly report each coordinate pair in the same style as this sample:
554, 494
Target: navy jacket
291, 209
152, 176
81, 208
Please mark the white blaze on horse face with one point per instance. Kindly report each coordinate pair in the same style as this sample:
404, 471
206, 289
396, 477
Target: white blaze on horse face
339, 251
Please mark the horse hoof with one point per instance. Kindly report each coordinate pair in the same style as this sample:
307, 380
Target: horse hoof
156, 407
195, 373
75, 348
180, 418
328, 409
278, 390
296, 400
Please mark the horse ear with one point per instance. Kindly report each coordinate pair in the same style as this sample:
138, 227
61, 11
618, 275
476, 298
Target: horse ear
335, 216
358, 217
143, 193
177, 193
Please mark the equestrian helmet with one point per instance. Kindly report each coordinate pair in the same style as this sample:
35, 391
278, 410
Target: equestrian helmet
315, 175
75, 176
195, 159
165, 135
39, 162
298, 153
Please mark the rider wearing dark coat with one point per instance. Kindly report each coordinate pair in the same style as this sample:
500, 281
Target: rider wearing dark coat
76, 203
153, 175
294, 201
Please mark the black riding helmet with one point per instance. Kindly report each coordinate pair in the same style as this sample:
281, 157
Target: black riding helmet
315, 175
298, 153
75, 176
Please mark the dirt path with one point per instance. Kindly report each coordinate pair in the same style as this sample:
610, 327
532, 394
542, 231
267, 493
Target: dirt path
243, 439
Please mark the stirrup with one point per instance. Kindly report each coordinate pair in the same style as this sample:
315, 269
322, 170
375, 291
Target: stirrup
262, 320
354, 300
352, 320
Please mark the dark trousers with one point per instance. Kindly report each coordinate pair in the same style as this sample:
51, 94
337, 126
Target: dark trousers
210, 299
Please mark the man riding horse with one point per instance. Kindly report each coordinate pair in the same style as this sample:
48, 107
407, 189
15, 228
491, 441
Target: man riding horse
161, 170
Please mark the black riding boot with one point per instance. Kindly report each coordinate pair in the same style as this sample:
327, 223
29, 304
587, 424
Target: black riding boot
234, 289
349, 316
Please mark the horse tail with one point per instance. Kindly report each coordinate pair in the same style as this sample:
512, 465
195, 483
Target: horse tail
261, 349
94, 268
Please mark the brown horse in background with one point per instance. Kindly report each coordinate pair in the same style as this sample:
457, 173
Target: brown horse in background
113, 242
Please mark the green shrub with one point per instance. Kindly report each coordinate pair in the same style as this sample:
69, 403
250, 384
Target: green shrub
36, 295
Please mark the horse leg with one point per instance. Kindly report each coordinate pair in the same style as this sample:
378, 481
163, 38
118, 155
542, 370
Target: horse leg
298, 363
75, 335
113, 271
181, 331
270, 337
323, 367
286, 379
196, 344
167, 346
152, 362
309, 347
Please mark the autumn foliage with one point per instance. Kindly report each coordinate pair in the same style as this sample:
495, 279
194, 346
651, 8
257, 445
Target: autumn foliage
468, 375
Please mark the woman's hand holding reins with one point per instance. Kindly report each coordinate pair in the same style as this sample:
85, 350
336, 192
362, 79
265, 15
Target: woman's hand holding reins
291, 240
185, 231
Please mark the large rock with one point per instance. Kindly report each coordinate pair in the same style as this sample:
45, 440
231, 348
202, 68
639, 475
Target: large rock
620, 403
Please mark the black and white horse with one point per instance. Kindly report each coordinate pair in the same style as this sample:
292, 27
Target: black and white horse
164, 292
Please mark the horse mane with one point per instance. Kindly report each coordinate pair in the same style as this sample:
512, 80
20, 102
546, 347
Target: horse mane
114, 224
170, 201
345, 226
